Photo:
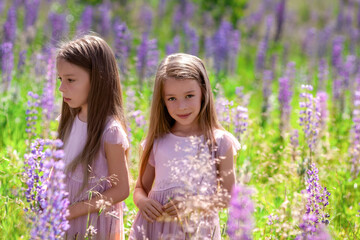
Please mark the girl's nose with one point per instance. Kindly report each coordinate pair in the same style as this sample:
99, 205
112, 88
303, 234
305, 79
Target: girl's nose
182, 105
61, 88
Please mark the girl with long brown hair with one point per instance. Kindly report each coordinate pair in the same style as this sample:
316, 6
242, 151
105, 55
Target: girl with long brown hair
187, 160
93, 129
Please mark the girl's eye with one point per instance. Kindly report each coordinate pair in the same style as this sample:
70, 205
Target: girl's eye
189, 96
59, 78
71, 80
171, 99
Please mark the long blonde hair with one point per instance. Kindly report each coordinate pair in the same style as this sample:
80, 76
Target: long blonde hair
93, 54
179, 66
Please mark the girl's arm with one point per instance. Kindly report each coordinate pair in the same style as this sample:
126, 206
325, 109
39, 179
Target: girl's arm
149, 208
227, 177
117, 166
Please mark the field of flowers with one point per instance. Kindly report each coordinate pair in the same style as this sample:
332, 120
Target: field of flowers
285, 75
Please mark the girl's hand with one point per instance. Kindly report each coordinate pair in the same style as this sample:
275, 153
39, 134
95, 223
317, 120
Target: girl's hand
150, 209
172, 208
71, 211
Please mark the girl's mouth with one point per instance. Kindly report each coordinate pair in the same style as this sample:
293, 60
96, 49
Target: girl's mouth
184, 115
66, 99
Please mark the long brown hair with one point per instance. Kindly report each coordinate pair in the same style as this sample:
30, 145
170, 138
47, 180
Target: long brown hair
93, 54
179, 66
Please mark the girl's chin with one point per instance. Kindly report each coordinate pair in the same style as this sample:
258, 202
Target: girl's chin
71, 105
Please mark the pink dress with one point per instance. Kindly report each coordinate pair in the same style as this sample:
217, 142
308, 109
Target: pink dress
184, 167
108, 226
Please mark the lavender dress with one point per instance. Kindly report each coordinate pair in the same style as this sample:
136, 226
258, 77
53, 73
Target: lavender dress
183, 167
109, 224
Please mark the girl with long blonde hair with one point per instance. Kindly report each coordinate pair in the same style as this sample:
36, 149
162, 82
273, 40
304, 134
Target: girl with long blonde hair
186, 165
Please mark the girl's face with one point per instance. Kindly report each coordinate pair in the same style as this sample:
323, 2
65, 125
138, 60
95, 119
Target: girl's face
183, 102
75, 84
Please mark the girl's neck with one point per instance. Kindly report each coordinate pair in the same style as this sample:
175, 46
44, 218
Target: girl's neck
83, 114
185, 131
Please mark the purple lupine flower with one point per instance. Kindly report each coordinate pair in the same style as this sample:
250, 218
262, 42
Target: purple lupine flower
240, 121
272, 218
122, 45
317, 200
354, 150
348, 69
173, 47
139, 118
340, 16
183, 13
323, 73
48, 97
9, 28
310, 116
7, 63
146, 18
308, 42
105, 18
32, 114
336, 58
285, 95
280, 15
322, 98
44, 174
31, 12
147, 58
59, 26
223, 46
263, 46
222, 106
240, 221
320, 233
46, 190
220, 46
32, 175
86, 20
21, 61
192, 40
323, 41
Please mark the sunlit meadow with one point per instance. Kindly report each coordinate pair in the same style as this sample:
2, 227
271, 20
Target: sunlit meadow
285, 75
